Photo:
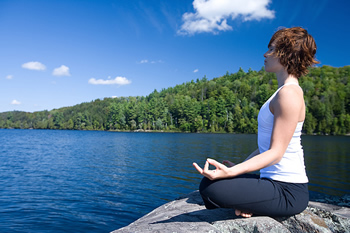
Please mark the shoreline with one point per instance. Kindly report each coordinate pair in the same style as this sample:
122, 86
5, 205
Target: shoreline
170, 131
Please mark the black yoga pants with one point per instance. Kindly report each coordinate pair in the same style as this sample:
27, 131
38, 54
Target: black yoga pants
252, 194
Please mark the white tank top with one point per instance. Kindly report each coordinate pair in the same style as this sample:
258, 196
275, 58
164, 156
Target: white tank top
291, 168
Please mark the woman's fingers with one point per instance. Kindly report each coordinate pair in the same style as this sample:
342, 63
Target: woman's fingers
220, 171
206, 166
199, 169
210, 174
214, 163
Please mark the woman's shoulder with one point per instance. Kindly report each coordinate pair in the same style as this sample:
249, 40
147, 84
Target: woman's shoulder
290, 90
290, 96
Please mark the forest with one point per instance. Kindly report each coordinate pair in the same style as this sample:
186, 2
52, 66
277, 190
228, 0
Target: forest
229, 104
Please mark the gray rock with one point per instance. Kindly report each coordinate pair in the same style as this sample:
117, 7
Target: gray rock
188, 214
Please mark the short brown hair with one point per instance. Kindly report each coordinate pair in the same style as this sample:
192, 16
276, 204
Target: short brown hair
295, 48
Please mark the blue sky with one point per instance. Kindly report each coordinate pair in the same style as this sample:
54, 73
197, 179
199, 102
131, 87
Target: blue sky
55, 54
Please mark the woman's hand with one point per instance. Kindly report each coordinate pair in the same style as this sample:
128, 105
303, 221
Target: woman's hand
220, 172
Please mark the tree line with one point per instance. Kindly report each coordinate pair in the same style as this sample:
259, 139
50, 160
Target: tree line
229, 103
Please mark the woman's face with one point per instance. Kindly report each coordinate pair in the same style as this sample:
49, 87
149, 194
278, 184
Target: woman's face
272, 63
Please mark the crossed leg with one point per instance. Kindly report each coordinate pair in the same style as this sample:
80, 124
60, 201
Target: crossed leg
248, 195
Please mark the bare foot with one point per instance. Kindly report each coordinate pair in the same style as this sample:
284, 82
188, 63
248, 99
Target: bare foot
244, 215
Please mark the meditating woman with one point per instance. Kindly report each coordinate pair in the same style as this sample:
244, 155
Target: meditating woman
281, 189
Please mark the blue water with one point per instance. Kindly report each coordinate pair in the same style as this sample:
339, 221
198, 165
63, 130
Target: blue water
91, 181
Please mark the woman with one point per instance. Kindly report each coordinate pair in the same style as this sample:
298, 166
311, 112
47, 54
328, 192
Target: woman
281, 189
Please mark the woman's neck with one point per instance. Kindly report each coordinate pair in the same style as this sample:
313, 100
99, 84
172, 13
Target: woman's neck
283, 78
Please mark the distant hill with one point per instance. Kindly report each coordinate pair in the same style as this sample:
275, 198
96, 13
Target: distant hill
226, 104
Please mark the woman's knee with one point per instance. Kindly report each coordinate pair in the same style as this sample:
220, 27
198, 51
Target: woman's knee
301, 204
204, 184
207, 192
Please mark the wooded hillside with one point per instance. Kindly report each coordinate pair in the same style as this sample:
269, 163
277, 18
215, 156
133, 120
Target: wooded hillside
226, 104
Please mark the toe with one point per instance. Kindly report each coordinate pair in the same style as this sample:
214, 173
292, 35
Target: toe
238, 212
246, 215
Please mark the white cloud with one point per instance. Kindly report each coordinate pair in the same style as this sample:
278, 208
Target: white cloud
152, 62
33, 65
9, 77
113, 97
61, 71
195, 71
15, 102
211, 15
117, 80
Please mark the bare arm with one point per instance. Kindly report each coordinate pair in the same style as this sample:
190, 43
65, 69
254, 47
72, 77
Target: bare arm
286, 106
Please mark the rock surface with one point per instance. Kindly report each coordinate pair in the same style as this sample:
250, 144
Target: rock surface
188, 214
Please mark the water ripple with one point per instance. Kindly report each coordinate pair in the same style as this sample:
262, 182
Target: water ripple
80, 181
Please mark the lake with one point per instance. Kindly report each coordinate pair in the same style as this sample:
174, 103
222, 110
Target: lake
95, 181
